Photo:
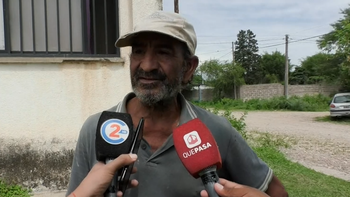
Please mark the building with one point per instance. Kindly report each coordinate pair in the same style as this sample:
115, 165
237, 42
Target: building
58, 65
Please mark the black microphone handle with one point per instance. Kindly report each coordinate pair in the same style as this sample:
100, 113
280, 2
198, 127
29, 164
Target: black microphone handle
112, 189
209, 178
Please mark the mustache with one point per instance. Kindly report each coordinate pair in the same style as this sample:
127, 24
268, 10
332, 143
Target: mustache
154, 74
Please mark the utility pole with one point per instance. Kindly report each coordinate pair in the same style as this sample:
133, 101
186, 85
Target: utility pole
233, 62
176, 6
286, 70
233, 52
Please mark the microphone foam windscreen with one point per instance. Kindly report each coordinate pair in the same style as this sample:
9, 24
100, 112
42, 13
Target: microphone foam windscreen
114, 135
196, 147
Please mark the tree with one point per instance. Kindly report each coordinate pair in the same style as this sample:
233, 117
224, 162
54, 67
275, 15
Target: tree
222, 76
322, 67
273, 66
298, 76
247, 56
338, 40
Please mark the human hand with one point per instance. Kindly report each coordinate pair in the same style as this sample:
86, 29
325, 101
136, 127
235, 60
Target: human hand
230, 189
101, 175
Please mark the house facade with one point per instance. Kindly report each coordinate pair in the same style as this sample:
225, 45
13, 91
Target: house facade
58, 65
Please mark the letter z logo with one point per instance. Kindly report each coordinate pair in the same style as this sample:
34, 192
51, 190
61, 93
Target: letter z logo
192, 139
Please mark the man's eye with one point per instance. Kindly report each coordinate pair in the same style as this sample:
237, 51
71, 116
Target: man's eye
137, 51
164, 52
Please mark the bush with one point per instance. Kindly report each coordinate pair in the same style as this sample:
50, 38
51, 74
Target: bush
7, 190
294, 103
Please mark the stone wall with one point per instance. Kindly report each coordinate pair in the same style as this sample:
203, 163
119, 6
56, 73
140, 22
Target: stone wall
265, 91
271, 90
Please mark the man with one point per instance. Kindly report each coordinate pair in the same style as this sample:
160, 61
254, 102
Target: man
162, 61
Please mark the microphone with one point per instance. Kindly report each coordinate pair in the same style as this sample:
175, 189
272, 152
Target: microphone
115, 136
199, 153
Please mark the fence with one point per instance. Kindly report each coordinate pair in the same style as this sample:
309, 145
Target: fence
265, 91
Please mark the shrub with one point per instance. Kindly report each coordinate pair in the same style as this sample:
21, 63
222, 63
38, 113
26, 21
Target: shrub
294, 103
7, 190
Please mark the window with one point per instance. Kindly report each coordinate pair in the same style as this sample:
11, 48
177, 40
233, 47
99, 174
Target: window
59, 28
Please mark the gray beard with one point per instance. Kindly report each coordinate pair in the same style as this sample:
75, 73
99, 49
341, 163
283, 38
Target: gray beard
159, 98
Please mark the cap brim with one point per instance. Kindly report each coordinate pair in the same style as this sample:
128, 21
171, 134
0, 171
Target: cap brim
127, 39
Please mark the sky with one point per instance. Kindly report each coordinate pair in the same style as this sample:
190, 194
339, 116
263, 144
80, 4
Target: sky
217, 23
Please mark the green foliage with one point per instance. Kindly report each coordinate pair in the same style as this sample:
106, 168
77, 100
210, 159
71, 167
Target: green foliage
299, 180
222, 76
338, 40
294, 103
345, 76
7, 190
298, 76
318, 68
246, 54
273, 66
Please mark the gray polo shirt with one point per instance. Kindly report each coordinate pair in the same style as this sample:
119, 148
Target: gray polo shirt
161, 173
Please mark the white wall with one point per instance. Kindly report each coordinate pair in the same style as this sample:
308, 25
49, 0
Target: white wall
46, 101
2, 33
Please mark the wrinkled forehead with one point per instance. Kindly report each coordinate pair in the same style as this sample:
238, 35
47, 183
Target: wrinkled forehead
154, 39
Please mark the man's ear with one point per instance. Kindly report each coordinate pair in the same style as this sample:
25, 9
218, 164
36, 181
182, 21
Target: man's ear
192, 65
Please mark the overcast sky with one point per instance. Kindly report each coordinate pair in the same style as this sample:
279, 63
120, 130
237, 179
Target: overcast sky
217, 23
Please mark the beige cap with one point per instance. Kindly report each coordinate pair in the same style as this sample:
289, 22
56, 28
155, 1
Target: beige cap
167, 23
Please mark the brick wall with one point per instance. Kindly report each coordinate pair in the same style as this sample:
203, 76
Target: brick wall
270, 90
247, 92
261, 91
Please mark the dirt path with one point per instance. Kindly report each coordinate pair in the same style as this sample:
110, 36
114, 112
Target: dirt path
322, 146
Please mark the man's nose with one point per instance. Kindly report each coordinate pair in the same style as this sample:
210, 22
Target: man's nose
149, 62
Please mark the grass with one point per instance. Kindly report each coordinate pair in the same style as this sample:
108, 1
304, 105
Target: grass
343, 120
11, 190
294, 103
300, 181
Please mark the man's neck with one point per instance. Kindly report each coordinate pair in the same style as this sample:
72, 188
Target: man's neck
166, 111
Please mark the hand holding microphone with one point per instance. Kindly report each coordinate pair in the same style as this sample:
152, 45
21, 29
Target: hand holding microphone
199, 153
101, 175
115, 136
227, 188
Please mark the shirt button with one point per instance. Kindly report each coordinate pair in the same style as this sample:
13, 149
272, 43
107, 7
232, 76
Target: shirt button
143, 146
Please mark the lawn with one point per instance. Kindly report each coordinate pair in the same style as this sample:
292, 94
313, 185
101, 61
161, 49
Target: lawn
301, 181
343, 120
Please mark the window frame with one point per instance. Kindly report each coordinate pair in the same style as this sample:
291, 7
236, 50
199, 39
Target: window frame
85, 51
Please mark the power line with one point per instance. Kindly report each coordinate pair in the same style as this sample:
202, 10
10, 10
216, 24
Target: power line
214, 43
307, 38
229, 42
224, 55
217, 51
268, 44
292, 41
273, 45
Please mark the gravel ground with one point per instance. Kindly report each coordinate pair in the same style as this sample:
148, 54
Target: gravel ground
322, 146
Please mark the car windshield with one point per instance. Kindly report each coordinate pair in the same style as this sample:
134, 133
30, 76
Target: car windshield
342, 99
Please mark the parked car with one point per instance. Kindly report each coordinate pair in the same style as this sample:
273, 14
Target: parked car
340, 105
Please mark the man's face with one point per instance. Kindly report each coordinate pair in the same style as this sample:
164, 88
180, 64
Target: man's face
157, 67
